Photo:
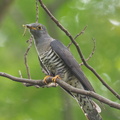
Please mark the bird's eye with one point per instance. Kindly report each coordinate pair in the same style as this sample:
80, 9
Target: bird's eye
39, 27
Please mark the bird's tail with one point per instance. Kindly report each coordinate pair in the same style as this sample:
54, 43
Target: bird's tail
89, 107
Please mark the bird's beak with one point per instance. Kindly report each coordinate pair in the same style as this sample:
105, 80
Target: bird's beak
29, 26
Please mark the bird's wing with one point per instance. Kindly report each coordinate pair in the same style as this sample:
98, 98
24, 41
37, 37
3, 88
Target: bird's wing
72, 64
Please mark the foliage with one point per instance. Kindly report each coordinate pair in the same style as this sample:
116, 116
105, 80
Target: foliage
102, 17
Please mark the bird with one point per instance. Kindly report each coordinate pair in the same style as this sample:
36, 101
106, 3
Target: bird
57, 61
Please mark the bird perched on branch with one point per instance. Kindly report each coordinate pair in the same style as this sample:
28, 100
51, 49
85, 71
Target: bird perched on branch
57, 61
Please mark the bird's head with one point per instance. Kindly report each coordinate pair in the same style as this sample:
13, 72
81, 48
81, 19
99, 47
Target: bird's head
36, 29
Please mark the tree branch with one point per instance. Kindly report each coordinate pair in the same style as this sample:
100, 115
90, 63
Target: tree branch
78, 49
91, 54
63, 84
37, 11
80, 33
25, 56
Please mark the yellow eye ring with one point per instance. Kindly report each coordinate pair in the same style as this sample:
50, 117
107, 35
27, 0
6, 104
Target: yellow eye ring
39, 27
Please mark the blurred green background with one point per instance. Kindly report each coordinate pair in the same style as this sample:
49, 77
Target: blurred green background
29, 103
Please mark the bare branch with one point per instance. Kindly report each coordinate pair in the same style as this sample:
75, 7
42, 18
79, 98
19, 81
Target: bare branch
78, 49
81, 32
63, 84
91, 54
37, 11
25, 57
88, 93
20, 73
93, 50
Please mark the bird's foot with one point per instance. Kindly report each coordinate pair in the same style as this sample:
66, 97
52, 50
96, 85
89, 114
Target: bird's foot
56, 77
46, 78
53, 79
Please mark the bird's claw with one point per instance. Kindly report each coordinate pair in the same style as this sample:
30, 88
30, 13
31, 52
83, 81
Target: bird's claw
53, 79
56, 77
46, 78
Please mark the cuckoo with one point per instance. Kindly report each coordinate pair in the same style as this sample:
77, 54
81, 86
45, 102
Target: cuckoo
57, 61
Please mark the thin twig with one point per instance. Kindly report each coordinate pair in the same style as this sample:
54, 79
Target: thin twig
25, 57
81, 32
93, 50
24, 30
63, 84
37, 11
22, 77
78, 49
91, 54
20, 73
